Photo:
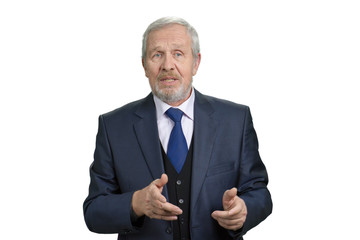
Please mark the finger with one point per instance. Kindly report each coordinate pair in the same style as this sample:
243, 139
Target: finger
164, 217
229, 197
162, 181
160, 207
168, 218
164, 214
160, 212
166, 208
232, 225
231, 221
229, 194
155, 194
239, 207
227, 215
171, 208
220, 214
233, 213
236, 208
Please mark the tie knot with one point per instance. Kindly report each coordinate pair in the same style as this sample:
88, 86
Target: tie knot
175, 114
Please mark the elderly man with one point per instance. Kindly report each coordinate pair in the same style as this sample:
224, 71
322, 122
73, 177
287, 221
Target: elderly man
176, 164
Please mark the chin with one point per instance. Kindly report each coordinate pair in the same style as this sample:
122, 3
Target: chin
172, 95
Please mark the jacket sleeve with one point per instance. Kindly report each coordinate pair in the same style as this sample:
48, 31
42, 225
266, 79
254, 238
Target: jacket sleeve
106, 209
252, 187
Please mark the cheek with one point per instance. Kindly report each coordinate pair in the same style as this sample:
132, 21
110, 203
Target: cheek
149, 72
189, 72
153, 69
185, 70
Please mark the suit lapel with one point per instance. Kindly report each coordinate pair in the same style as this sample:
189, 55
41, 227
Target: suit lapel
204, 138
148, 137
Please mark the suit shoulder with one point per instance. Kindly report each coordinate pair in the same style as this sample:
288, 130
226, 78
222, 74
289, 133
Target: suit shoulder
126, 110
227, 112
225, 105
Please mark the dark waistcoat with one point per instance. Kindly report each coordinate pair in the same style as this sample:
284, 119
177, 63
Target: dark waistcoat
178, 188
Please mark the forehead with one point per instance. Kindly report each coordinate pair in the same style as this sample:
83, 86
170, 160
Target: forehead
171, 35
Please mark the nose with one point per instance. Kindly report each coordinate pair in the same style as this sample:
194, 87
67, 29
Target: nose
168, 63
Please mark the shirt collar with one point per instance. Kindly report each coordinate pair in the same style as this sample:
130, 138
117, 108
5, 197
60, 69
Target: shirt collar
187, 107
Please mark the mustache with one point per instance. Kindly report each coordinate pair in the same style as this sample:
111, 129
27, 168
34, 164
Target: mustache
168, 75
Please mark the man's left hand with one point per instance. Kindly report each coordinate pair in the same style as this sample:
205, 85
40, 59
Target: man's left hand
234, 214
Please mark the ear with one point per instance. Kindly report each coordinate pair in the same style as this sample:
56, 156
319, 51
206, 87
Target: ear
196, 64
143, 64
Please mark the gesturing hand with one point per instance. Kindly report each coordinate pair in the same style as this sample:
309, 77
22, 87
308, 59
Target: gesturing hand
150, 202
235, 211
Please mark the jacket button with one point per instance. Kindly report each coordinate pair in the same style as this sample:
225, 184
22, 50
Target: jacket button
178, 182
181, 201
168, 230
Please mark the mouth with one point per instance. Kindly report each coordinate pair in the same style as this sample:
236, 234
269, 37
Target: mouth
168, 79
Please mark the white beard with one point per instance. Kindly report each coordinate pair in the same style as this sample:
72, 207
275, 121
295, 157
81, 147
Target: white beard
170, 95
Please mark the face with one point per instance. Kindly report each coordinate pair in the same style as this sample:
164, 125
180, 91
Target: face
169, 64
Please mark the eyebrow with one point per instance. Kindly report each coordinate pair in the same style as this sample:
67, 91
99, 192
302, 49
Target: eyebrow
154, 49
176, 46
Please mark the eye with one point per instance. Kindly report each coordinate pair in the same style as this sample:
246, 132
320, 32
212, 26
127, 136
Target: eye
157, 55
178, 54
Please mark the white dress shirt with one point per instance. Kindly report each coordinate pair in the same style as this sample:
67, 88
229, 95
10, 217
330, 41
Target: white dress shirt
165, 124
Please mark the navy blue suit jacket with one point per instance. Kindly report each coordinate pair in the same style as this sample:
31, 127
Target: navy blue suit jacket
128, 158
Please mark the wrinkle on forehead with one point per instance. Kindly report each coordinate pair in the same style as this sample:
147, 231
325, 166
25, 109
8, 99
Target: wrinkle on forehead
171, 46
172, 37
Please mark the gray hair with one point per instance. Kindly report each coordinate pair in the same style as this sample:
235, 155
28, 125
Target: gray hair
162, 22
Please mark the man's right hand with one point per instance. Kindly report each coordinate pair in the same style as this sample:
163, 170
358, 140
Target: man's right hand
150, 202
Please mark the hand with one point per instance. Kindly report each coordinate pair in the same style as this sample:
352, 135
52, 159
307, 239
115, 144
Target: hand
150, 202
235, 211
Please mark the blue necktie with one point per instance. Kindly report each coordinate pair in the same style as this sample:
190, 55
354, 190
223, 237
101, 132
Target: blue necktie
177, 146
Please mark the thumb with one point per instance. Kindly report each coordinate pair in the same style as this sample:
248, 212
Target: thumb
229, 197
160, 183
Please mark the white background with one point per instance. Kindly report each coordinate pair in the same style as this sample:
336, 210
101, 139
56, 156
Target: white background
295, 63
